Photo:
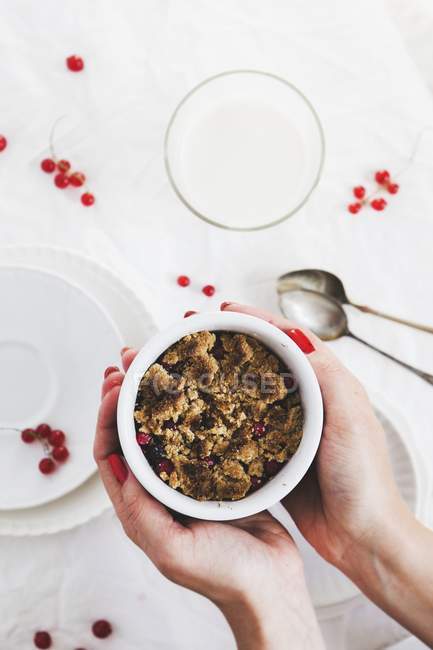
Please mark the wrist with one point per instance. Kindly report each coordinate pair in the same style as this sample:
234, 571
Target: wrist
392, 568
368, 559
278, 613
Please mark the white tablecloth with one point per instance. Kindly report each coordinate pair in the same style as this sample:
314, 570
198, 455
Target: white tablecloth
141, 58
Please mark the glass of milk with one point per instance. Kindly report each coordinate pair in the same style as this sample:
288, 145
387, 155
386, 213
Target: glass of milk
244, 150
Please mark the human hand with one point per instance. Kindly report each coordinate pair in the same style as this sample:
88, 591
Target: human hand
349, 492
348, 506
250, 568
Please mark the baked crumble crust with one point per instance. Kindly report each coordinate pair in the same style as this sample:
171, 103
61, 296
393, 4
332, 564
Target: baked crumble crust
223, 412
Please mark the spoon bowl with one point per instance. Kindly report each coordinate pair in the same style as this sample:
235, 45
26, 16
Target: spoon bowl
313, 280
320, 313
329, 284
325, 316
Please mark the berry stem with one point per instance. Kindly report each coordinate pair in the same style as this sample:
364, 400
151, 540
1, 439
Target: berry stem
51, 138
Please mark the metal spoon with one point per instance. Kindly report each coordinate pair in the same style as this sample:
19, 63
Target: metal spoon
326, 317
330, 284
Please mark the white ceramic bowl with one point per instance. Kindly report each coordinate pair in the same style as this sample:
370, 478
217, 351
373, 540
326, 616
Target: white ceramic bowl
287, 478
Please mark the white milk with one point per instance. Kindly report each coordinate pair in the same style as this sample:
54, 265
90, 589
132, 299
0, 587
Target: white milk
242, 163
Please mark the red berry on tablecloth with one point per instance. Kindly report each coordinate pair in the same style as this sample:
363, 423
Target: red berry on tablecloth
354, 208
393, 188
28, 435
43, 430
77, 179
359, 192
382, 176
47, 466
75, 63
63, 166
87, 199
3, 143
42, 640
56, 438
48, 166
101, 629
208, 290
61, 454
183, 280
378, 204
61, 181
189, 313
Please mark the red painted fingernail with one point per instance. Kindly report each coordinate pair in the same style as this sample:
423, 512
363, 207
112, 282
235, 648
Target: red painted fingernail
123, 350
301, 340
118, 467
189, 313
224, 305
109, 370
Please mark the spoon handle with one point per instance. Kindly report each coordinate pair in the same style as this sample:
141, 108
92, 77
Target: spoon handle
424, 375
409, 323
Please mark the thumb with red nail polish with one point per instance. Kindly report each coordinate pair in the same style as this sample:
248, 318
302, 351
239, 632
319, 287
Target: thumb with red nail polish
301, 340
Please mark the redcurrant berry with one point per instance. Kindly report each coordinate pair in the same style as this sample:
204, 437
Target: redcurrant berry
255, 483
208, 290
272, 467
87, 199
359, 192
77, 179
48, 165
382, 177
354, 208
378, 204
3, 143
43, 430
61, 181
75, 63
42, 640
63, 166
56, 438
28, 435
393, 188
47, 466
165, 465
183, 280
144, 439
60, 454
259, 429
189, 313
101, 629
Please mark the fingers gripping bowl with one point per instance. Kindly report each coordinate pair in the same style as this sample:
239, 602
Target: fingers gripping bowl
278, 344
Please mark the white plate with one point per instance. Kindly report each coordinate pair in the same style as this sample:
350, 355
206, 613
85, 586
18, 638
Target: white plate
128, 312
55, 342
330, 590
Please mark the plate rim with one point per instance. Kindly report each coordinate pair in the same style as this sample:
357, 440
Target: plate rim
101, 308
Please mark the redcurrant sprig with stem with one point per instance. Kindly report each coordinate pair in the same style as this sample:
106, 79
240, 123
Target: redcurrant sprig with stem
384, 181
65, 177
52, 441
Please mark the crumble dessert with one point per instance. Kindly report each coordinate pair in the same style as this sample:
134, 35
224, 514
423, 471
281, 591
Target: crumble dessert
218, 415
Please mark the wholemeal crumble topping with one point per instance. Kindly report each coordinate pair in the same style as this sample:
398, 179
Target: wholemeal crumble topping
218, 415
